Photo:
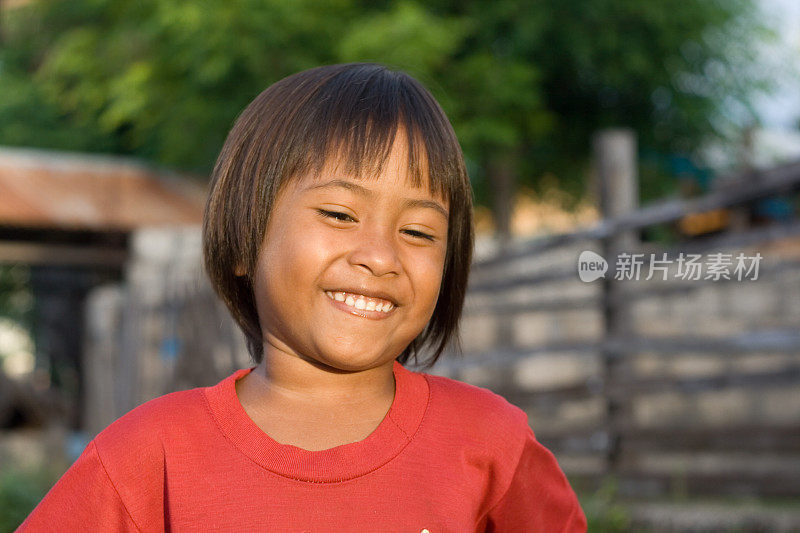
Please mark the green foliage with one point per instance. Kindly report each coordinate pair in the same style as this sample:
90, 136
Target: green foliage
429, 41
20, 492
604, 513
160, 79
526, 83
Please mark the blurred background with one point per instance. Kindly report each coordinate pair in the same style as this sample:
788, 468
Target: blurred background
617, 126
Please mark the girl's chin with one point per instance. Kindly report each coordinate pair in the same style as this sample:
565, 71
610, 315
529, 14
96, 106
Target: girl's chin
352, 362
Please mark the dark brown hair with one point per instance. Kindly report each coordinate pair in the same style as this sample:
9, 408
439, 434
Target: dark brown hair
347, 113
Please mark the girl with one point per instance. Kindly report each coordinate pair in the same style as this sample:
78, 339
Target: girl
338, 231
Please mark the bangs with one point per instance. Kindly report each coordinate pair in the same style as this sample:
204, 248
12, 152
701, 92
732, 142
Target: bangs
354, 117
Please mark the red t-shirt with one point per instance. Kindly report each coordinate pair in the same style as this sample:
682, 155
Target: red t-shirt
447, 456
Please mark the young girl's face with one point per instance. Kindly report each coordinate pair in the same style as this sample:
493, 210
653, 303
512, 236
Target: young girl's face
349, 270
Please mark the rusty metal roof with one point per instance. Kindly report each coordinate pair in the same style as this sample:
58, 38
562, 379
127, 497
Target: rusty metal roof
61, 190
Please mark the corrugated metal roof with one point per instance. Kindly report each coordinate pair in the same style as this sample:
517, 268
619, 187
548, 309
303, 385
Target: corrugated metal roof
78, 191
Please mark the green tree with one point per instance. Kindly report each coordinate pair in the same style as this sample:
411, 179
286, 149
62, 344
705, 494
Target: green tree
154, 78
525, 84
676, 71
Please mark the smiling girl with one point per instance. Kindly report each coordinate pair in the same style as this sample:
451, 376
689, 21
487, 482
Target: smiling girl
338, 231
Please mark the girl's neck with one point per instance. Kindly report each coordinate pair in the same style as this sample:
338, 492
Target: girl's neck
313, 406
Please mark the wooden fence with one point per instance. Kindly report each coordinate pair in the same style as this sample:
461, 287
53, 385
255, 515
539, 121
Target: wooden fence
673, 386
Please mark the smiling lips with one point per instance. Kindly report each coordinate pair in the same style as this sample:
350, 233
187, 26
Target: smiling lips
361, 302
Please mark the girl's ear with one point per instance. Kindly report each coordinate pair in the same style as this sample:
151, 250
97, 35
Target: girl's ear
239, 270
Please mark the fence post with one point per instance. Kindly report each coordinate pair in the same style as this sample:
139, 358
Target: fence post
616, 171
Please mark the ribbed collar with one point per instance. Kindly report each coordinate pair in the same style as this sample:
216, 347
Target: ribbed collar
324, 466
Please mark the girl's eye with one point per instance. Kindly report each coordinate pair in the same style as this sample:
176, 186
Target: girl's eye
343, 217
419, 234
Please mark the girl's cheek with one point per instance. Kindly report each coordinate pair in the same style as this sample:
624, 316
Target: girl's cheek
433, 270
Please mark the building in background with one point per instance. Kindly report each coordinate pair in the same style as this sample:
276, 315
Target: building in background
70, 219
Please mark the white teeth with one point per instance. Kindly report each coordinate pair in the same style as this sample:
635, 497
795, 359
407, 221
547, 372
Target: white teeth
361, 302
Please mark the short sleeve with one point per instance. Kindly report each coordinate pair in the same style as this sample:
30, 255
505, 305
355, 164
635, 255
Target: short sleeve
84, 499
539, 498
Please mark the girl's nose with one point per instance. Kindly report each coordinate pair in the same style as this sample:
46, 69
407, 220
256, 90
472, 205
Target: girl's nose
376, 251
